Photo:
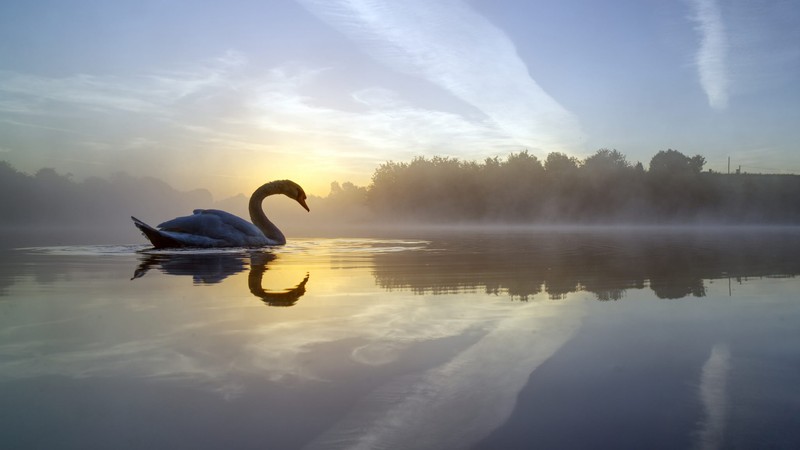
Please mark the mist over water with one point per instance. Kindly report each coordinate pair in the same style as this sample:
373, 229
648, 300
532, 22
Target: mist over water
518, 192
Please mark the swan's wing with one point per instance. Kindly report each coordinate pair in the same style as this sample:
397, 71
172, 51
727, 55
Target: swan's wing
194, 224
158, 238
235, 222
211, 224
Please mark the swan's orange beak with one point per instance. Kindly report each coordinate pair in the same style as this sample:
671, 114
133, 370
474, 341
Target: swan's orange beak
302, 202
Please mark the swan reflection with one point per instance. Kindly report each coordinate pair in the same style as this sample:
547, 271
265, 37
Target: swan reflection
258, 265
213, 268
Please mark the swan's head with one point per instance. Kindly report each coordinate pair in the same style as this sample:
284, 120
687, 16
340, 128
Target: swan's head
293, 190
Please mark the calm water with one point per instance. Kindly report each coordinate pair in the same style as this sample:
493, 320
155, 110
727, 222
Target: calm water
475, 340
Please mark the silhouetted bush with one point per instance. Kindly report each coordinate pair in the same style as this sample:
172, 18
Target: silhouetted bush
672, 162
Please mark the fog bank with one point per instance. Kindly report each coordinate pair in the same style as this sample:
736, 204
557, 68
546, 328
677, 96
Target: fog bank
516, 192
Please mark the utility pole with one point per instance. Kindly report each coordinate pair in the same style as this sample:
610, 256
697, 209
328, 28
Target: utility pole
729, 165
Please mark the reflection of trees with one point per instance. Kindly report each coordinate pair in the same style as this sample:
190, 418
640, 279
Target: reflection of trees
213, 268
6, 276
673, 265
678, 287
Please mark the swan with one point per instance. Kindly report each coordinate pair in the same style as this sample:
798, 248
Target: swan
208, 228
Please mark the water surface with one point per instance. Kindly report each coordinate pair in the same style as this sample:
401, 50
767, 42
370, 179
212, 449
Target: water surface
522, 339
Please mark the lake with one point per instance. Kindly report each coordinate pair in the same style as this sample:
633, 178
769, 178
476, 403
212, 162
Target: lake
623, 339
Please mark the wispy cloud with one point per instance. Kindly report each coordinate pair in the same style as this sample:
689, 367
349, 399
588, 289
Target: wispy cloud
151, 93
711, 56
383, 124
224, 105
34, 94
457, 49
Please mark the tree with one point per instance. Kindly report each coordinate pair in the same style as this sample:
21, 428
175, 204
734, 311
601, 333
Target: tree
696, 163
524, 164
605, 160
674, 162
558, 162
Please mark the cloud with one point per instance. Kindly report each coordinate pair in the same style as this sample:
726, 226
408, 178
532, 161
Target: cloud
152, 93
457, 49
711, 56
36, 94
378, 125
62, 130
276, 115
223, 104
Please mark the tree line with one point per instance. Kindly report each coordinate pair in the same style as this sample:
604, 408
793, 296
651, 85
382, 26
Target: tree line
519, 188
603, 188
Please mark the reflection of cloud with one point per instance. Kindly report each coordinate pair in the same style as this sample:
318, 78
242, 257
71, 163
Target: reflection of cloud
375, 353
154, 357
467, 395
495, 345
712, 53
428, 355
457, 49
713, 394
374, 335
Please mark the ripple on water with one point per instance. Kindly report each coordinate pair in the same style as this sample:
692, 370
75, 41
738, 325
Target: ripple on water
301, 246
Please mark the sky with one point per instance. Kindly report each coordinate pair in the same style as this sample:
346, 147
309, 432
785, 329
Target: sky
228, 95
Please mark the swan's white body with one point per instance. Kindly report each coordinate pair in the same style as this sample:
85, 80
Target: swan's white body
209, 228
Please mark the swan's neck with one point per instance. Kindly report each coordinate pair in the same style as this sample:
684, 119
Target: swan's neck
260, 219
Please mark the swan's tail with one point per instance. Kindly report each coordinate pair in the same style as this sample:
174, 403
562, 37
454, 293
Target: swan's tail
157, 238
